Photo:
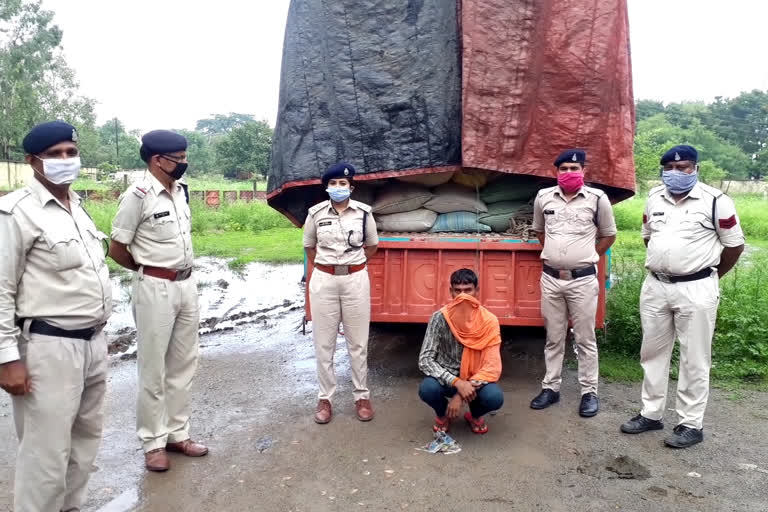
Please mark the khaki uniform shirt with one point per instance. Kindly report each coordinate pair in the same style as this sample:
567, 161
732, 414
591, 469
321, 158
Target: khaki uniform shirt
155, 225
333, 235
683, 238
52, 265
569, 226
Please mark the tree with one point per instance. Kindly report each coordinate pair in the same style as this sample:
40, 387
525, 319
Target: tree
647, 108
246, 148
719, 158
200, 153
35, 82
221, 124
743, 120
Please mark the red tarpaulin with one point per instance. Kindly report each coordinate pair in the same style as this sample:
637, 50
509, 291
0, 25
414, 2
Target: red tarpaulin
541, 76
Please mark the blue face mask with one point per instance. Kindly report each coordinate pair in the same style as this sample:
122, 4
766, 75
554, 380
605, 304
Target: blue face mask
338, 194
679, 182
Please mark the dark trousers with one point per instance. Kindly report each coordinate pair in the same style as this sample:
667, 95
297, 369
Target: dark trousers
489, 397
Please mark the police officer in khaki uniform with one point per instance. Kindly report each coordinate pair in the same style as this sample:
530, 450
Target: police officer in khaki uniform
339, 237
575, 225
694, 238
151, 235
55, 298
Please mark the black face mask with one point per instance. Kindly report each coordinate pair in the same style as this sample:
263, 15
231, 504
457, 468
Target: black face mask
179, 170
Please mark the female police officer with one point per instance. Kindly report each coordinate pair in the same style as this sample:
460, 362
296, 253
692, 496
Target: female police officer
339, 237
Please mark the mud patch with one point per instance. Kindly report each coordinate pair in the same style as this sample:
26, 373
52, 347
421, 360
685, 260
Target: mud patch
621, 467
257, 294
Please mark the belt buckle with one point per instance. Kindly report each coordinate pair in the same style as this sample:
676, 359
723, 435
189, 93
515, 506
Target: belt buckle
565, 275
341, 270
664, 278
183, 274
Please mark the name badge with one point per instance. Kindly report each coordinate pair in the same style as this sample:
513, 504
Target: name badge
549, 212
325, 223
657, 214
161, 215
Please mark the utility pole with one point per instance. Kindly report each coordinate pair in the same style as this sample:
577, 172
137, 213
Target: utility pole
117, 147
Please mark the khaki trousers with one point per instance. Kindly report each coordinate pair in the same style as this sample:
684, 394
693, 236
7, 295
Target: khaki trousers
59, 422
687, 311
577, 300
345, 299
167, 318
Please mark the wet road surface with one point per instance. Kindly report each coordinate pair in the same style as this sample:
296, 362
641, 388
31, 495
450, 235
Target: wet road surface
253, 401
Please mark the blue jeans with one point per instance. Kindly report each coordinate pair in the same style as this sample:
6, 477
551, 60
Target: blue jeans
489, 397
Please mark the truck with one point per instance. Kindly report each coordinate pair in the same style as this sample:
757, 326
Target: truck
477, 90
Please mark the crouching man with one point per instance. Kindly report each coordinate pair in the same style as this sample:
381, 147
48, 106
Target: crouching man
461, 358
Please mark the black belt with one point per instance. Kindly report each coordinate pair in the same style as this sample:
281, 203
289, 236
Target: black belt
568, 275
666, 278
46, 329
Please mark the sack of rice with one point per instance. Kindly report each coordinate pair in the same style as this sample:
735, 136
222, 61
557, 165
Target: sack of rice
511, 188
364, 192
414, 221
428, 180
397, 197
453, 197
472, 178
459, 222
499, 214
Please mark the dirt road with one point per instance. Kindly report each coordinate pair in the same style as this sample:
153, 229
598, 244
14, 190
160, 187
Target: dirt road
252, 404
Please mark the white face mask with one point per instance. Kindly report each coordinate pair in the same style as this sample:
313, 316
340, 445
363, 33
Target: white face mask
61, 171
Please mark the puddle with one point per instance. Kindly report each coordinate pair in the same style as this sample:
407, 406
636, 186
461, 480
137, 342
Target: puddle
257, 293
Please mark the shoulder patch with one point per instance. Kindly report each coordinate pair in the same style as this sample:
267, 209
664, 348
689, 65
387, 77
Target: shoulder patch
728, 223
9, 201
318, 207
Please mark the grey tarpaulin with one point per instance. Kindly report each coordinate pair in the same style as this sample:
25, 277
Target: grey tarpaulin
375, 83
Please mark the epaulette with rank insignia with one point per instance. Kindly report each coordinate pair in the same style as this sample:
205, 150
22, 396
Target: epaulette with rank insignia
8, 202
318, 207
140, 192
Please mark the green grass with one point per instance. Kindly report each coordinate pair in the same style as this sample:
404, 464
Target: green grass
740, 345
89, 184
202, 183
221, 183
620, 368
276, 245
752, 210
244, 232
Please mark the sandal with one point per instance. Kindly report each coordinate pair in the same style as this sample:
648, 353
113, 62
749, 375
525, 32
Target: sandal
478, 426
441, 424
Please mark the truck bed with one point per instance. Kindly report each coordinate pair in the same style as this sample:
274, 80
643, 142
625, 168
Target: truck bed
410, 276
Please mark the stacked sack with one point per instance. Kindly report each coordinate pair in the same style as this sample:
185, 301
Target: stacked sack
459, 202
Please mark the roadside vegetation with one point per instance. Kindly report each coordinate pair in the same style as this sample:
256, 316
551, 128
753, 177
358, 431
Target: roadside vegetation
241, 232
740, 346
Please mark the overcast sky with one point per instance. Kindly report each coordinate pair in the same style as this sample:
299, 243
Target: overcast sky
168, 63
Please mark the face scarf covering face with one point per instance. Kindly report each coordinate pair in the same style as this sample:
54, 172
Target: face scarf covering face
570, 182
338, 194
61, 171
679, 182
478, 330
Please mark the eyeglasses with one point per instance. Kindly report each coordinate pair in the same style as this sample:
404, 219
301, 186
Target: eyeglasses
173, 158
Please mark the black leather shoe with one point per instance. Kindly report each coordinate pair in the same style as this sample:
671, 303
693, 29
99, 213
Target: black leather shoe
683, 437
590, 404
544, 399
640, 424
